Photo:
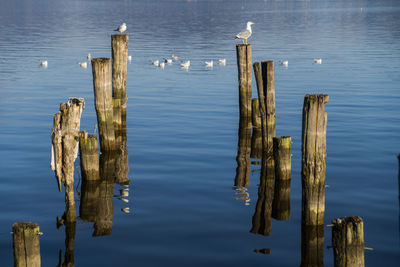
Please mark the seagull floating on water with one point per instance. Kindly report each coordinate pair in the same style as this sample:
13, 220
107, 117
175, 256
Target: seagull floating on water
222, 61
44, 63
209, 63
317, 60
121, 28
126, 210
168, 60
156, 63
245, 34
129, 58
284, 63
89, 56
185, 64
162, 65
83, 64
175, 58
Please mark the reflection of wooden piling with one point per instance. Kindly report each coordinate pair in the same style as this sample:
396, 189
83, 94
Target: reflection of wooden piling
88, 206
119, 45
70, 230
256, 144
26, 244
282, 160
313, 159
243, 155
243, 52
312, 246
398, 157
103, 102
105, 209
261, 97
262, 220
122, 160
348, 241
268, 74
89, 156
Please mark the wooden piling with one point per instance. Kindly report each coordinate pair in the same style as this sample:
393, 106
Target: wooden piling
243, 52
65, 147
255, 112
26, 244
256, 144
89, 156
262, 108
101, 68
348, 241
268, 75
313, 159
282, 160
242, 177
312, 245
122, 159
119, 46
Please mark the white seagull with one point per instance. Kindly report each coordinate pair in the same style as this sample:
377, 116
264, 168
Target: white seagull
285, 63
317, 60
209, 63
121, 28
168, 60
83, 64
129, 58
89, 56
185, 64
162, 65
222, 61
245, 34
175, 58
44, 63
156, 63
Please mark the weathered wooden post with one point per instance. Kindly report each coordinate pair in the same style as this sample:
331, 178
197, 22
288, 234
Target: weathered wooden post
282, 159
242, 177
65, 148
313, 159
105, 209
70, 230
243, 52
26, 244
89, 156
312, 245
268, 74
119, 45
348, 241
261, 97
256, 137
101, 68
262, 220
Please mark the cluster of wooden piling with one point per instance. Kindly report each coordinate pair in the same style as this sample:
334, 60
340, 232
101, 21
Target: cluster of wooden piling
274, 188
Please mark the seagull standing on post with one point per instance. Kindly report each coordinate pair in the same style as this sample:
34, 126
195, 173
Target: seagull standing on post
245, 34
121, 28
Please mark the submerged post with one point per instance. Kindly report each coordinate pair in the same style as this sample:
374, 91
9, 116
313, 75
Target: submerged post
103, 102
268, 75
243, 52
313, 159
26, 244
348, 241
89, 156
282, 160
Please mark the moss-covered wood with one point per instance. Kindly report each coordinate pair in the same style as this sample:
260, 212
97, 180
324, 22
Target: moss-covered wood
26, 245
268, 75
348, 242
89, 156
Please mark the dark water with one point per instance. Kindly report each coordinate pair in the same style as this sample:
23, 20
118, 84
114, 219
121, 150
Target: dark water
182, 133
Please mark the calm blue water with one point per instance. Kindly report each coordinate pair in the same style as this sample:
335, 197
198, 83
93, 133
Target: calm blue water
183, 125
